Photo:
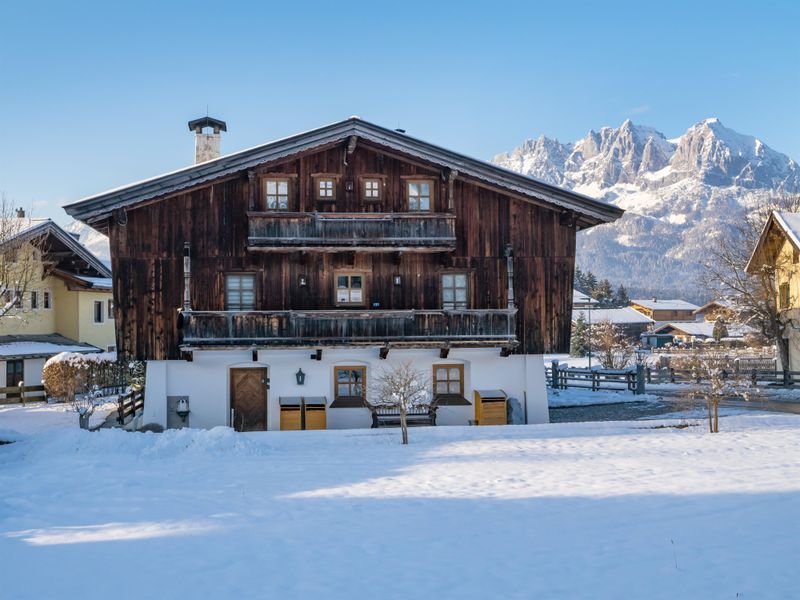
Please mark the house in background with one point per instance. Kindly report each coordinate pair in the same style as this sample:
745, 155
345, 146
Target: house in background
300, 268
778, 252
629, 322
665, 310
716, 309
689, 332
66, 306
581, 300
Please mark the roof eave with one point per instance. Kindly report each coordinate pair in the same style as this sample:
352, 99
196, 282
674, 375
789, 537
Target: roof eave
98, 208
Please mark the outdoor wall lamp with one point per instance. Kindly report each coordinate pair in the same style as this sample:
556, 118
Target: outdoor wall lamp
301, 377
302, 281
398, 280
182, 409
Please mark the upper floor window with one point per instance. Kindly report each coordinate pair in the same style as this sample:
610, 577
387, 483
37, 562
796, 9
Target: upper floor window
324, 187
34, 300
47, 299
276, 194
240, 291
420, 195
349, 289
371, 189
783, 296
99, 313
454, 291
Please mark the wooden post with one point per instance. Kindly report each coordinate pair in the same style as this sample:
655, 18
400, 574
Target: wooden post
22, 392
639, 380
595, 381
451, 177
554, 374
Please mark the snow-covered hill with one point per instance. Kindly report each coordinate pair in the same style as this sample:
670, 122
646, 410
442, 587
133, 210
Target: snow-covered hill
95, 241
677, 194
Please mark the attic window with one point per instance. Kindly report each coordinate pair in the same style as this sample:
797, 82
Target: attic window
325, 188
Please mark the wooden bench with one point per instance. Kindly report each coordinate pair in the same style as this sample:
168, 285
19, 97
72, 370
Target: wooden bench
389, 416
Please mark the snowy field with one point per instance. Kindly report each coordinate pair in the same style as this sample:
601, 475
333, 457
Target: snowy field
593, 510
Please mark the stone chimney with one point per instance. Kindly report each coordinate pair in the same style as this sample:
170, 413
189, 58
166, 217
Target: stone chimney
206, 145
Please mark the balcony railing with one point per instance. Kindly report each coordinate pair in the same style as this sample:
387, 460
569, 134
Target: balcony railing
410, 328
420, 232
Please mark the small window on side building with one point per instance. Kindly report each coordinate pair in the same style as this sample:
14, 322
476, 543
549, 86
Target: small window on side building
99, 314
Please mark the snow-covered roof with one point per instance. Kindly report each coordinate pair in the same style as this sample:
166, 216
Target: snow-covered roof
96, 282
658, 304
719, 303
788, 222
579, 297
40, 346
703, 329
617, 316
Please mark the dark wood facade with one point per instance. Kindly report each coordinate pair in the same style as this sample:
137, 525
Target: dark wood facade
218, 218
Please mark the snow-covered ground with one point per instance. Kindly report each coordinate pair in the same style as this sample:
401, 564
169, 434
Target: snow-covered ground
593, 510
585, 397
17, 420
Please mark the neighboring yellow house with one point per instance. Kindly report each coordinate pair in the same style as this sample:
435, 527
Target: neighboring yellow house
777, 254
66, 305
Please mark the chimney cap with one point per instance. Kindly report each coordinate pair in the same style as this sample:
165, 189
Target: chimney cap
199, 124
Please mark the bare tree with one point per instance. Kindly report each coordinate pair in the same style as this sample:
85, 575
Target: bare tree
751, 297
21, 266
714, 381
403, 387
611, 346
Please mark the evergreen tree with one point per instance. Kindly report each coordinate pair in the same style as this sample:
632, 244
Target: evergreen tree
578, 280
590, 283
603, 293
579, 342
621, 299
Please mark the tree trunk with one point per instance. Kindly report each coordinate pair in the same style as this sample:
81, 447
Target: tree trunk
710, 419
783, 351
403, 424
716, 416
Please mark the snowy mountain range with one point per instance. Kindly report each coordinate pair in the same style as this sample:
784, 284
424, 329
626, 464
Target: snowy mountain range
677, 193
95, 241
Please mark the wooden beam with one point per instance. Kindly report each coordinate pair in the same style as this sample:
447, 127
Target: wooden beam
444, 352
383, 353
317, 354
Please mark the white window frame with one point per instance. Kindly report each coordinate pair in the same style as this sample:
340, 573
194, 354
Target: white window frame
99, 313
47, 300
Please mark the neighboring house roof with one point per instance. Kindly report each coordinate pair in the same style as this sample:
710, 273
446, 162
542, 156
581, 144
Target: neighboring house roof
100, 207
724, 304
39, 346
657, 304
579, 297
787, 223
703, 329
617, 316
31, 229
102, 284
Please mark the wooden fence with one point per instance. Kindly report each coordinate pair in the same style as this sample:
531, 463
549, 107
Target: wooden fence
26, 393
129, 406
561, 378
756, 376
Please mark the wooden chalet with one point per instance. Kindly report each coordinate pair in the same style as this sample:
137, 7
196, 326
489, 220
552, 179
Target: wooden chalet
336, 251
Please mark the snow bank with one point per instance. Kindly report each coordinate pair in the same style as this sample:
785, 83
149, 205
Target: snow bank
580, 397
590, 510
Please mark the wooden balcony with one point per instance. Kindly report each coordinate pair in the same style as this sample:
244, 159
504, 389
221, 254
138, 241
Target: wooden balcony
331, 232
343, 328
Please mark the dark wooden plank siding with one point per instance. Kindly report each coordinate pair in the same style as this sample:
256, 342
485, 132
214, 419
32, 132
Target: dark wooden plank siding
147, 254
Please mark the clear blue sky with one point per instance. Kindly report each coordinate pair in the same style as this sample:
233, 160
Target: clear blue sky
96, 95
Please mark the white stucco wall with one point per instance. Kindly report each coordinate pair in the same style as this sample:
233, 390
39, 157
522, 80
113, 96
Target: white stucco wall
206, 381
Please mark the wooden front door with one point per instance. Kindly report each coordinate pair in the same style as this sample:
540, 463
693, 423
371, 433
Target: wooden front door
249, 399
